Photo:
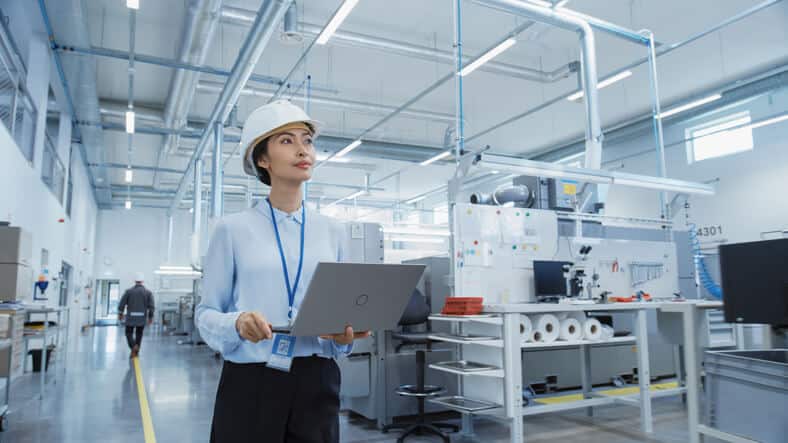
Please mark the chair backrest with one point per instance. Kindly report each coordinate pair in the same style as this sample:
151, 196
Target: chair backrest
417, 310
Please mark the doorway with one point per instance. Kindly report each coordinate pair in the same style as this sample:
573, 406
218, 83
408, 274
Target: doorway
107, 298
65, 283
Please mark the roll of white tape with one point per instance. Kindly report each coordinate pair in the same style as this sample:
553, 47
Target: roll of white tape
592, 329
535, 336
548, 326
526, 327
571, 330
607, 332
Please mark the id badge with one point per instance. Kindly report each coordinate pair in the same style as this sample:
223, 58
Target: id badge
282, 352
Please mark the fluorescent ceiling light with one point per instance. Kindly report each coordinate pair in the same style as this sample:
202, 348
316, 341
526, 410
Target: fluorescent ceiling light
189, 273
133, 4
357, 194
690, 105
128, 204
602, 84
415, 200
335, 21
766, 122
348, 148
129, 175
440, 156
417, 239
489, 55
639, 183
130, 122
175, 268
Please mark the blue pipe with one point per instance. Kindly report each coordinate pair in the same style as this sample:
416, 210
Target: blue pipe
704, 275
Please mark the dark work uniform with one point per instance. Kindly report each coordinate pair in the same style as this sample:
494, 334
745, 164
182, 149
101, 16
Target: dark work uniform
139, 303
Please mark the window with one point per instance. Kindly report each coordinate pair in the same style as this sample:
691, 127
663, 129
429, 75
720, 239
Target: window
718, 139
53, 173
441, 215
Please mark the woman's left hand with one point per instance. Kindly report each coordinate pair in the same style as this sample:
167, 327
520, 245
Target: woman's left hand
348, 337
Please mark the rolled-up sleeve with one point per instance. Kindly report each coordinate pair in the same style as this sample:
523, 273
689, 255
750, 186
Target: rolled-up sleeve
213, 316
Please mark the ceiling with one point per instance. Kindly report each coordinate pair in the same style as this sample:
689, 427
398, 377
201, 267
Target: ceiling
368, 75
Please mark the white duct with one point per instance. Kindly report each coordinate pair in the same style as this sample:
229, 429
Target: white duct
593, 153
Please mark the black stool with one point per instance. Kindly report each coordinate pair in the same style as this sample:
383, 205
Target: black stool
417, 313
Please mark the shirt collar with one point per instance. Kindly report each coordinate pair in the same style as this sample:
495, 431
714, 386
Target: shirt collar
281, 216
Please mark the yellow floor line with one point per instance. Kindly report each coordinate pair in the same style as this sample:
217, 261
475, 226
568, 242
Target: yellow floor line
608, 392
147, 422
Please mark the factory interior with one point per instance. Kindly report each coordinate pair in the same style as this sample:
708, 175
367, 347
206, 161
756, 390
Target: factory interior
308, 221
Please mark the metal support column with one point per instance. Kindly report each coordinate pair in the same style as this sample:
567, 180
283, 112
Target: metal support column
459, 132
169, 238
585, 374
656, 119
692, 372
644, 372
197, 197
513, 375
217, 173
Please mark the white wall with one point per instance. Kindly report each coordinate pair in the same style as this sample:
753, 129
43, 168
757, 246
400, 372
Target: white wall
135, 240
751, 185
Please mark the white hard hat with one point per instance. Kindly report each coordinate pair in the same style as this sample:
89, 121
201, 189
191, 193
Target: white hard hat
139, 276
265, 119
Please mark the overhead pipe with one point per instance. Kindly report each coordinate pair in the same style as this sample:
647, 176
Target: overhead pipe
660, 51
197, 35
207, 86
352, 39
268, 17
593, 157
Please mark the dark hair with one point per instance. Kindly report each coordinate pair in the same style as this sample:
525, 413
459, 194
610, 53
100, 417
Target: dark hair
259, 150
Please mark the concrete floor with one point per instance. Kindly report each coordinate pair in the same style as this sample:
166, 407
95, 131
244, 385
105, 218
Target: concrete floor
95, 400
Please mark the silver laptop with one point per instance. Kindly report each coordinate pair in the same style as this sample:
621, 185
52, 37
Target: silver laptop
370, 297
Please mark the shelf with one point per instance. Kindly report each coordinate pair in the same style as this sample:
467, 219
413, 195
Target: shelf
568, 344
489, 319
480, 405
497, 343
557, 407
497, 373
552, 308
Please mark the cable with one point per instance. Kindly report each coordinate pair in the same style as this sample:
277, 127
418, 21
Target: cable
700, 264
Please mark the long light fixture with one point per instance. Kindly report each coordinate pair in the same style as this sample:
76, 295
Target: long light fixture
325, 157
602, 84
415, 200
133, 4
356, 194
440, 156
766, 122
175, 268
335, 21
129, 175
348, 148
690, 105
128, 204
540, 169
177, 273
487, 56
130, 122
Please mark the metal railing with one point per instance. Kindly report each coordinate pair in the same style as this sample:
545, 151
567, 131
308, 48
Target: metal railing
17, 111
53, 173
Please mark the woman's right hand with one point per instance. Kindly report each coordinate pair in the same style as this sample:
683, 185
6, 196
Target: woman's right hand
253, 326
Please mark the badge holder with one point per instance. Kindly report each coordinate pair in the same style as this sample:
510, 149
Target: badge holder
282, 352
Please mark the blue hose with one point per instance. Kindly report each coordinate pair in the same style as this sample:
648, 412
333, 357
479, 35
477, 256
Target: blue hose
700, 264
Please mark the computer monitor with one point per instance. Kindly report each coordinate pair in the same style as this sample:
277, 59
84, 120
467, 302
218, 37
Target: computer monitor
755, 282
549, 278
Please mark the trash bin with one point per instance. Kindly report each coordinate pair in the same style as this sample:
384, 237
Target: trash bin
36, 353
747, 393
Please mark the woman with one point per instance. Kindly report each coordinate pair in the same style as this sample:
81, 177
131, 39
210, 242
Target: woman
256, 271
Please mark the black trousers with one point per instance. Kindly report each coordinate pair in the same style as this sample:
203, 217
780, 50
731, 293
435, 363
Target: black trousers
258, 404
134, 335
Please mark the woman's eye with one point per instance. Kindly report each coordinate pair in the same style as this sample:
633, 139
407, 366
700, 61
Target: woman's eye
286, 141
308, 141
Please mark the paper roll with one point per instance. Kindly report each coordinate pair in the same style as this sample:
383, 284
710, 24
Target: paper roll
592, 329
571, 330
548, 326
607, 332
526, 327
535, 336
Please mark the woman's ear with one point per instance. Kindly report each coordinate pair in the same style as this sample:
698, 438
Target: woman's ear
263, 162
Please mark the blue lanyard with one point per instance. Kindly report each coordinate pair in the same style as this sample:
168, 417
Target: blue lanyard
291, 291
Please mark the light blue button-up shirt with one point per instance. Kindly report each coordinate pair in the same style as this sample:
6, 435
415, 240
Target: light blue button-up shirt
242, 271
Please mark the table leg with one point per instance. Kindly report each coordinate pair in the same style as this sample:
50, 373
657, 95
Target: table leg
644, 373
513, 375
692, 372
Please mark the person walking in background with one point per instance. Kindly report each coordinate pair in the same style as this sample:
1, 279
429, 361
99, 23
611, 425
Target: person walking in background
138, 301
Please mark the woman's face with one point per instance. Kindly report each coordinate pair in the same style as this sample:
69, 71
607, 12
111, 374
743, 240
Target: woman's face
290, 156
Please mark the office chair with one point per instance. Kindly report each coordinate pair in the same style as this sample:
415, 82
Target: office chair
417, 313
